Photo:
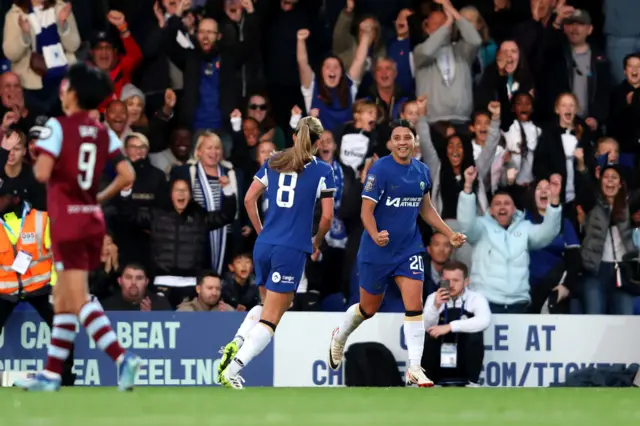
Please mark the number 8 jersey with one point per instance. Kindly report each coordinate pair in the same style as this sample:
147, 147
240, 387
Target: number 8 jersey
81, 147
292, 198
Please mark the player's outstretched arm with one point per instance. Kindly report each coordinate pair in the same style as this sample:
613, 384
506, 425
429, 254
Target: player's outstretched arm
432, 217
125, 177
251, 203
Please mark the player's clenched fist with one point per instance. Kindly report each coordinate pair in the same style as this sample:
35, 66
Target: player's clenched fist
457, 239
303, 34
382, 239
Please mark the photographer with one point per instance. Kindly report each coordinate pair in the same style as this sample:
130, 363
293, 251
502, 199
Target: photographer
455, 319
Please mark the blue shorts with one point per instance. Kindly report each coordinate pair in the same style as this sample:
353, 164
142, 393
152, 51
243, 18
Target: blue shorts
374, 277
278, 268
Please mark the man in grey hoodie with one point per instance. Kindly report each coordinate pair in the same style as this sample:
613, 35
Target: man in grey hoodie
443, 68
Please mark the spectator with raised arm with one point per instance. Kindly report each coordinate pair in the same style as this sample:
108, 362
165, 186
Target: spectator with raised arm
443, 69
501, 241
105, 55
330, 96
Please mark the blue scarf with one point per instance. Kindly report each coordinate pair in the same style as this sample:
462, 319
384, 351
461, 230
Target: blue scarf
44, 24
218, 237
337, 236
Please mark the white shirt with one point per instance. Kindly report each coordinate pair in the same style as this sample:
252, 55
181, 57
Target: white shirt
473, 302
607, 251
569, 144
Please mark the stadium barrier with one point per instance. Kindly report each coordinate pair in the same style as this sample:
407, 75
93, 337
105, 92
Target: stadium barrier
181, 349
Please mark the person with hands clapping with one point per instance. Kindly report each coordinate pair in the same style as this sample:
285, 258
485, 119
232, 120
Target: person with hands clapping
41, 55
501, 241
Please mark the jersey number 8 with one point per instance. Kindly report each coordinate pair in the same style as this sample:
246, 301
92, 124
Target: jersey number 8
289, 190
86, 165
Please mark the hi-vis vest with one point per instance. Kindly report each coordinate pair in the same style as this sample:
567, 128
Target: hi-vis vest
31, 241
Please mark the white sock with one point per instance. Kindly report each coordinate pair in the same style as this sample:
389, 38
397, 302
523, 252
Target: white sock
414, 337
252, 318
258, 339
352, 319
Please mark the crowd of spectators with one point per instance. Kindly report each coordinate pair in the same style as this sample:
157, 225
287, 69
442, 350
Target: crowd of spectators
512, 100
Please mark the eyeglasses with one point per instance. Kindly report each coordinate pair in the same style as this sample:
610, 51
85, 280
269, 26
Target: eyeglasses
261, 107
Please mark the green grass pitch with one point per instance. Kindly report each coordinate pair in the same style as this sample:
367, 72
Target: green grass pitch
320, 407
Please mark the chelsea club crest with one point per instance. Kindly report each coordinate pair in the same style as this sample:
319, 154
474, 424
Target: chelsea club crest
422, 186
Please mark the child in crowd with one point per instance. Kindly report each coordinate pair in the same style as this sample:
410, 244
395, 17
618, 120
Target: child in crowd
239, 289
356, 139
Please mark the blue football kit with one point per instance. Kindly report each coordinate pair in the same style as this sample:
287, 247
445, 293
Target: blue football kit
398, 190
281, 249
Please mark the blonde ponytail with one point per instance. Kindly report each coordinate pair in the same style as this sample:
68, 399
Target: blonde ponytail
293, 159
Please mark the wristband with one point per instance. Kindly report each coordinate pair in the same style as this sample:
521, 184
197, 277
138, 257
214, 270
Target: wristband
123, 28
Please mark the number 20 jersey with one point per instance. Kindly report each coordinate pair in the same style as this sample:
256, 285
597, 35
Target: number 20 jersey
81, 147
398, 190
292, 199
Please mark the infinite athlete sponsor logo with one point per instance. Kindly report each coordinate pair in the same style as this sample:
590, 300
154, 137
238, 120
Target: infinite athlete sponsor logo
404, 201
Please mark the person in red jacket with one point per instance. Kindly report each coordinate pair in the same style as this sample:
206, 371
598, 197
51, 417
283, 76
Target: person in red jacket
106, 56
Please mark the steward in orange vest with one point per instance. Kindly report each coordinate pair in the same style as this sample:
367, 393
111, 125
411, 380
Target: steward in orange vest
26, 261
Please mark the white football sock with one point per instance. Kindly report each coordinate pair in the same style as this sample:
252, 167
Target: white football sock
352, 319
414, 337
252, 318
258, 339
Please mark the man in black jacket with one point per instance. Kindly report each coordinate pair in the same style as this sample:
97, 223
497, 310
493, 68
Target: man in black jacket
574, 66
211, 68
149, 188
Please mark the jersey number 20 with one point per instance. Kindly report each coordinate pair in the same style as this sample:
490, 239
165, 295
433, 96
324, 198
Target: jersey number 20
289, 190
86, 165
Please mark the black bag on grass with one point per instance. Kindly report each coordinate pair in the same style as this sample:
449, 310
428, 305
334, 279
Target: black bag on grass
371, 365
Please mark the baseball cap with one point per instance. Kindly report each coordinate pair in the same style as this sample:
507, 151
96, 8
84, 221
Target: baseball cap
102, 36
579, 16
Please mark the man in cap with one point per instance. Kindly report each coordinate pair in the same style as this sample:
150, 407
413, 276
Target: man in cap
575, 66
106, 56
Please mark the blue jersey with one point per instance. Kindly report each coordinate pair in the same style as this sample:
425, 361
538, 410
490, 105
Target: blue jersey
398, 190
292, 199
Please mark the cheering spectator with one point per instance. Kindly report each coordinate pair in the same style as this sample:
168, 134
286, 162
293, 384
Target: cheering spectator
209, 174
178, 152
134, 294
624, 125
508, 75
149, 188
239, 289
208, 299
553, 270
521, 141
178, 235
621, 19
240, 17
401, 52
15, 171
443, 69
346, 47
356, 139
103, 281
107, 58
529, 34
40, 39
155, 128
501, 243
212, 85
558, 143
480, 125
577, 66
15, 114
607, 238
488, 49
386, 93
117, 118
331, 96
259, 108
